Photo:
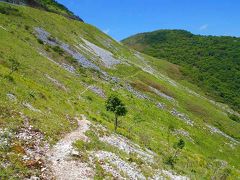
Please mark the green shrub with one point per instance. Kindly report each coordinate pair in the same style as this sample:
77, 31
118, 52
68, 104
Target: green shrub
26, 27
40, 41
9, 78
234, 117
71, 59
170, 160
89, 98
58, 50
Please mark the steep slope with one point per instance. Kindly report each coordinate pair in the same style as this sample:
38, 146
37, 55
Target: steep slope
54, 69
213, 63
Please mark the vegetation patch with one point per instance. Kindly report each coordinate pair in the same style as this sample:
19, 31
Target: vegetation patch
140, 86
9, 10
159, 87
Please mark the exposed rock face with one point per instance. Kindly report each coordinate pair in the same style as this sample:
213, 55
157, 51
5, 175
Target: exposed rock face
46, 38
105, 56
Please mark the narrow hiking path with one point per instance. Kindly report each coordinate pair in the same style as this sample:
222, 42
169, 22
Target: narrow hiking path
62, 163
65, 163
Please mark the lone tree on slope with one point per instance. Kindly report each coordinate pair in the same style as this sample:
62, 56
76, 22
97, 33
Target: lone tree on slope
115, 105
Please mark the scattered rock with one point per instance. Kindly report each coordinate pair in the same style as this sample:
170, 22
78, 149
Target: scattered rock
138, 55
75, 153
30, 107
182, 117
34, 178
163, 174
98, 91
35, 147
128, 147
64, 166
160, 105
113, 164
56, 82
184, 133
136, 93
11, 97
162, 94
68, 68
218, 131
3, 28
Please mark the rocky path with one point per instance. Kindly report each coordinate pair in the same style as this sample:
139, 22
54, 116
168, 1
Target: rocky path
62, 164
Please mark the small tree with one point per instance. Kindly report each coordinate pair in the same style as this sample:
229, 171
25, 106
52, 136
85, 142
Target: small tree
179, 146
171, 160
115, 105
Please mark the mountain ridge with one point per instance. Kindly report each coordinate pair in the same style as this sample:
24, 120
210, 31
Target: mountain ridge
48, 5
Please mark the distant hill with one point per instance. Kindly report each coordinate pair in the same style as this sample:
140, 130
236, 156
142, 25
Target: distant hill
211, 62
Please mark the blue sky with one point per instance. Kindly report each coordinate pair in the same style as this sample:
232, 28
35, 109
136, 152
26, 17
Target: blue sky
122, 18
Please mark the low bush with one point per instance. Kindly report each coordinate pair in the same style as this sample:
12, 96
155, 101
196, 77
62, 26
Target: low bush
234, 117
58, 50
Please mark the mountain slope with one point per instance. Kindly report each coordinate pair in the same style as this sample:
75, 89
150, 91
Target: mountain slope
213, 63
66, 71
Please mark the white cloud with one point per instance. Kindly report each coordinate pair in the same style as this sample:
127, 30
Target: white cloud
106, 31
203, 27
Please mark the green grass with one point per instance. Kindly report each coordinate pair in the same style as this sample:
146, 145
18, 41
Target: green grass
58, 107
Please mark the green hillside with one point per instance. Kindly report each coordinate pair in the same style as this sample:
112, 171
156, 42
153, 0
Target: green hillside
213, 63
54, 69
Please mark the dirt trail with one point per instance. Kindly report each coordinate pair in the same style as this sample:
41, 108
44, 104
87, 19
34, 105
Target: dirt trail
62, 164
65, 166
